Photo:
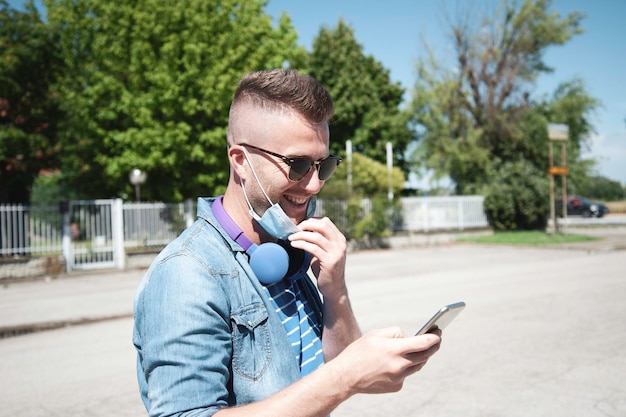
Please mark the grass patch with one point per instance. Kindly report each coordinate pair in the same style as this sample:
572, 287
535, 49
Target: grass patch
527, 238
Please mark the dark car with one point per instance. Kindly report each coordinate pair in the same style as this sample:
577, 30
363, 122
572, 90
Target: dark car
580, 206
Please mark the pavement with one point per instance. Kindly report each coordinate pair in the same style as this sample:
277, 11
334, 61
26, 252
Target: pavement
83, 297
80, 297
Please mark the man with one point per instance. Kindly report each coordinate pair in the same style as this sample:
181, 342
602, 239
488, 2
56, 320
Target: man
218, 330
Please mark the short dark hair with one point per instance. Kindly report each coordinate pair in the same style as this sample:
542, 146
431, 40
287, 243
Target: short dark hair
279, 89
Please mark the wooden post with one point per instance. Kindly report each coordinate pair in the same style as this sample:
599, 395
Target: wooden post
564, 182
558, 132
555, 227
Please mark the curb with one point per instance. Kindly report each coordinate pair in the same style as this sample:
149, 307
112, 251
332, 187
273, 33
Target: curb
24, 329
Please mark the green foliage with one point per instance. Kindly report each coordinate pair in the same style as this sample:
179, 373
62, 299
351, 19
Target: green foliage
570, 105
370, 185
149, 84
478, 124
369, 177
367, 220
601, 188
366, 101
50, 189
377, 222
517, 198
29, 109
473, 119
449, 143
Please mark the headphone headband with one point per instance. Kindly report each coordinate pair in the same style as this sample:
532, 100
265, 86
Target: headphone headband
269, 261
229, 225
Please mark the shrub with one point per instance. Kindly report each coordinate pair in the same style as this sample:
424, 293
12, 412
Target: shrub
517, 198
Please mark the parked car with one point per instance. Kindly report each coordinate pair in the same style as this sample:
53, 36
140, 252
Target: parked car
581, 206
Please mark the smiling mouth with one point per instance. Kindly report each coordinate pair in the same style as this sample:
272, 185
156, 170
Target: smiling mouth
297, 201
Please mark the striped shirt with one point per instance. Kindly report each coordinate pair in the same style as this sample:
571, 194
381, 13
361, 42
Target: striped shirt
298, 318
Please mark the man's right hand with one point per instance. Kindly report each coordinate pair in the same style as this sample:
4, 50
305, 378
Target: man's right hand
381, 360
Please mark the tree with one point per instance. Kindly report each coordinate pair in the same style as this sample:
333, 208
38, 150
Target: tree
371, 180
29, 63
366, 101
149, 84
570, 105
473, 119
368, 178
601, 188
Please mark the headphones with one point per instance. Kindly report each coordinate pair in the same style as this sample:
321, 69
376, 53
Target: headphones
270, 262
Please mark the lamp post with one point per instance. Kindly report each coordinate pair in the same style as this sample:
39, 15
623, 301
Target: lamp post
349, 160
137, 178
389, 148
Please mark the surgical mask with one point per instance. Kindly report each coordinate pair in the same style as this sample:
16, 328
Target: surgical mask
275, 221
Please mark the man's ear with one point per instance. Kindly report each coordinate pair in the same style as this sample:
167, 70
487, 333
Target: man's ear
238, 160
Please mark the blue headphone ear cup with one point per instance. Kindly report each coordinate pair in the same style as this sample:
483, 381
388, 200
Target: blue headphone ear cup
269, 261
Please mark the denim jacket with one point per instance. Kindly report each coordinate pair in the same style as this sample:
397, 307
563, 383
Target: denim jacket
205, 334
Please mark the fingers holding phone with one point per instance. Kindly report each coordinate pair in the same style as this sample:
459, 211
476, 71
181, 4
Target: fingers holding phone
427, 345
380, 361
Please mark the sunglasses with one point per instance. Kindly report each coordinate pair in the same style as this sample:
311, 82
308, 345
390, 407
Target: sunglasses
300, 167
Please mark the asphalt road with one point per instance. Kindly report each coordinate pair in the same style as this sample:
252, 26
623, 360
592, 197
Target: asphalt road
542, 335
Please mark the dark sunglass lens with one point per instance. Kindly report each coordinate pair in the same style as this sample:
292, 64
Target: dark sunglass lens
299, 168
328, 168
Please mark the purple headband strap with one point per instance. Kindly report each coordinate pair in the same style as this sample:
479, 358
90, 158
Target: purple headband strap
229, 225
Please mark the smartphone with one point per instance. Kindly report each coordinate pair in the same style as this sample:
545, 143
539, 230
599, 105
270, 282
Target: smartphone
442, 318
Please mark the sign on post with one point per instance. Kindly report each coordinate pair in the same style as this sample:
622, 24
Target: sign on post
558, 131
558, 170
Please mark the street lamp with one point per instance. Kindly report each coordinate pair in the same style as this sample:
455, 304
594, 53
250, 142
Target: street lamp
137, 178
389, 148
349, 160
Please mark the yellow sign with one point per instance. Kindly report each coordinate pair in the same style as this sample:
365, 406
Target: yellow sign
558, 170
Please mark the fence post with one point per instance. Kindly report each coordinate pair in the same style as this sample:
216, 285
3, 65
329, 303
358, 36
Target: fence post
68, 253
426, 211
189, 214
117, 232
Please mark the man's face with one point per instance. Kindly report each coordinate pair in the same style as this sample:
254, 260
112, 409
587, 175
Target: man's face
290, 135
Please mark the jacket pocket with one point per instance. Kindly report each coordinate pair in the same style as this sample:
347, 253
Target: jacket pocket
251, 341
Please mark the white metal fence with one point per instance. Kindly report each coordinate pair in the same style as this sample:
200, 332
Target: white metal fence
28, 230
155, 224
442, 213
90, 234
98, 233
419, 214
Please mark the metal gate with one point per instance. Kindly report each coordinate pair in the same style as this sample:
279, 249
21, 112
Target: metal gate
94, 234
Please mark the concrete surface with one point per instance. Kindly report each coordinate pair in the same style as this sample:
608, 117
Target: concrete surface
542, 334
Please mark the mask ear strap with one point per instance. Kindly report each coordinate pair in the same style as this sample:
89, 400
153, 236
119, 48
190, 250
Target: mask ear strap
243, 187
245, 153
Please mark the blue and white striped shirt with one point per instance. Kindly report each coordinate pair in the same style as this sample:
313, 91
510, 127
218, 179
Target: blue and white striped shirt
298, 318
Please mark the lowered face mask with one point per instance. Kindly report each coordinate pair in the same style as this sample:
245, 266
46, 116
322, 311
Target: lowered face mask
275, 221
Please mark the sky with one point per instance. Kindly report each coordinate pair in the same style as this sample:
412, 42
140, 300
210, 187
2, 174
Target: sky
393, 31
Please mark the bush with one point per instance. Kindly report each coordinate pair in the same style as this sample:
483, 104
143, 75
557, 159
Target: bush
368, 227
518, 198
